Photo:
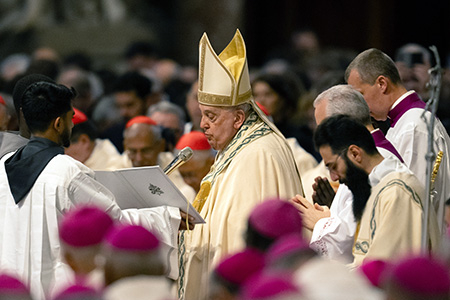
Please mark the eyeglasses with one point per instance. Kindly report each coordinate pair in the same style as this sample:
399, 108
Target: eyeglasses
332, 167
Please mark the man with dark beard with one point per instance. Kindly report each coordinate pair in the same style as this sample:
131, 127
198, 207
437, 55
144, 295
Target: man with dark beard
333, 231
387, 197
39, 184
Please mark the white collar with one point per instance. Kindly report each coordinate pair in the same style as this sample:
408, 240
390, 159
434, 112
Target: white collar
388, 165
401, 98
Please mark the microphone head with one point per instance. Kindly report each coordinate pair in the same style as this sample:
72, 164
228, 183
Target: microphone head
186, 154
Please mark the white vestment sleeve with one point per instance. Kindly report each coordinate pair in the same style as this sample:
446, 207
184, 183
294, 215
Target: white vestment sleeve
333, 237
163, 220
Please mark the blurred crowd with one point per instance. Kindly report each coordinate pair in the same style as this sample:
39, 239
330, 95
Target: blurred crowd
113, 261
145, 113
286, 85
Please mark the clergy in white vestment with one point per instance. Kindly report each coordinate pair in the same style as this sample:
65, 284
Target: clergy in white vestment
387, 196
388, 98
39, 184
304, 160
253, 163
333, 236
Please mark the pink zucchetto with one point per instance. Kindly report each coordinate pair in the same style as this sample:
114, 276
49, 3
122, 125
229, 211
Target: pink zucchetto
196, 140
11, 285
374, 271
140, 120
421, 276
239, 267
268, 286
85, 226
133, 238
77, 291
286, 245
275, 218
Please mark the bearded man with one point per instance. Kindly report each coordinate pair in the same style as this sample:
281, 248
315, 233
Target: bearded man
387, 196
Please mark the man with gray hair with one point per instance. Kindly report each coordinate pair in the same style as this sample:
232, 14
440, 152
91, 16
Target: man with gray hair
333, 230
171, 117
375, 75
145, 146
254, 163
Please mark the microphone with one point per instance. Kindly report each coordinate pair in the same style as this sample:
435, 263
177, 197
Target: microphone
182, 157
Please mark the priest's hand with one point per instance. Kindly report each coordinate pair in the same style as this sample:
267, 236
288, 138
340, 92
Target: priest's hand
183, 223
311, 213
323, 191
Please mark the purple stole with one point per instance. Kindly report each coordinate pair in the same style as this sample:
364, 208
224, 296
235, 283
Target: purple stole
382, 142
412, 101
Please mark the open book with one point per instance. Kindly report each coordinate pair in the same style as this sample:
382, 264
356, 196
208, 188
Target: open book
145, 187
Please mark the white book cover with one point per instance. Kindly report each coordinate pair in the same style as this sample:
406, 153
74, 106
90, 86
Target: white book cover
144, 187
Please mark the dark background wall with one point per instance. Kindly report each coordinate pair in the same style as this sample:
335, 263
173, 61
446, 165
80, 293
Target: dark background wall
351, 24
177, 25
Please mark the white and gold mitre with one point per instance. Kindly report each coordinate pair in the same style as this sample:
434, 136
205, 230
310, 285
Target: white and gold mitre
224, 78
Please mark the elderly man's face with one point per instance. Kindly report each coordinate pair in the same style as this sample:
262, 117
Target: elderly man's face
219, 124
141, 146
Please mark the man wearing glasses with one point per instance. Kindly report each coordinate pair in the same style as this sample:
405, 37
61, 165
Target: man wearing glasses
333, 230
387, 196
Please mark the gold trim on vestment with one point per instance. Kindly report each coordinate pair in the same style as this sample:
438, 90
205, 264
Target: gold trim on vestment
436, 167
202, 195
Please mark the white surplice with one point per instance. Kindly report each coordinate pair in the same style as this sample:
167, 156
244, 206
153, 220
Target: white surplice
333, 237
29, 235
410, 138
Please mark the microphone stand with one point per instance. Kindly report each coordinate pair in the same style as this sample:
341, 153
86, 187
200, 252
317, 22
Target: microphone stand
432, 104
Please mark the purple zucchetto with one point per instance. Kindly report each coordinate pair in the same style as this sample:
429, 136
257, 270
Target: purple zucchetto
421, 276
239, 267
275, 218
133, 238
267, 286
77, 291
11, 285
374, 271
85, 226
286, 245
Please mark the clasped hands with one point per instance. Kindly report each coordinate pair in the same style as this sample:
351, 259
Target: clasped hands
311, 213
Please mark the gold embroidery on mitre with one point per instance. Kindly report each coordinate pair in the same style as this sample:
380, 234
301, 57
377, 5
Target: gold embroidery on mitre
220, 100
233, 62
203, 42
202, 195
